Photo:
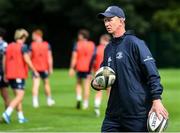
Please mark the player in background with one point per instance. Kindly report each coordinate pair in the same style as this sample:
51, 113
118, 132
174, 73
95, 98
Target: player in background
3, 84
104, 40
42, 59
81, 63
16, 62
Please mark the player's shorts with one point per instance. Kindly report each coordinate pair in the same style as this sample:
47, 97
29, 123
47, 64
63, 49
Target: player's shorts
2, 82
42, 74
115, 124
82, 75
17, 83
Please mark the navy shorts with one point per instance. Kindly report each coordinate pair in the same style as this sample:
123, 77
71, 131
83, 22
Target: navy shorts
115, 124
43, 74
2, 82
82, 75
17, 83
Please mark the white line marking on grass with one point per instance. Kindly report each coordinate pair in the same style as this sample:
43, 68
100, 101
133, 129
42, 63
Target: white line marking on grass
30, 129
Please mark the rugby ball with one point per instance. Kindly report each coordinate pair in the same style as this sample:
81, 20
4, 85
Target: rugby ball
104, 78
154, 124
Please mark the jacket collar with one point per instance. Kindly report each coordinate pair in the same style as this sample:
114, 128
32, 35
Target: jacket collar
117, 39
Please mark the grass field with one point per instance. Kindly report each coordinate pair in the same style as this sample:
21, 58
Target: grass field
64, 117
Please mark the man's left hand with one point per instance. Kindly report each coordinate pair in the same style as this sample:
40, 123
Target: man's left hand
51, 71
159, 109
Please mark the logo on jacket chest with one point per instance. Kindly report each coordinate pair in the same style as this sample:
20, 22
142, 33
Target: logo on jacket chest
109, 61
119, 55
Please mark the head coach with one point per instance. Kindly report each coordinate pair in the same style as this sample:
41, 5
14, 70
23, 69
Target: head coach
137, 89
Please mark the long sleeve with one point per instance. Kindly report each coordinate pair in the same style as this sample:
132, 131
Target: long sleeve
149, 70
105, 58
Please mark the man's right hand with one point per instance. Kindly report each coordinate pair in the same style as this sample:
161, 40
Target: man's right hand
5, 79
36, 74
71, 72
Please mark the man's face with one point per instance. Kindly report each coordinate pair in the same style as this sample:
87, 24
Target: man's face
36, 37
22, 40
112, 24
104, 41
80, 37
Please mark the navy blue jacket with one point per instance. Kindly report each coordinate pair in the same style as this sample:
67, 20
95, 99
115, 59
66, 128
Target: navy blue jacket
137, 78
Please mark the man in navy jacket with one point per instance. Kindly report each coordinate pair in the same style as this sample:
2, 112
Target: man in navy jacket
137, 89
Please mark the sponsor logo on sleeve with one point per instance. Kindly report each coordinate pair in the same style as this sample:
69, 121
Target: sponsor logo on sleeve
148, 58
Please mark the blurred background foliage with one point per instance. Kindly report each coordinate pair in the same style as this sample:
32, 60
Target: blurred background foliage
155, 21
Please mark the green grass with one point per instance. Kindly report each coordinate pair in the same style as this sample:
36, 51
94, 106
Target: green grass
64, 117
